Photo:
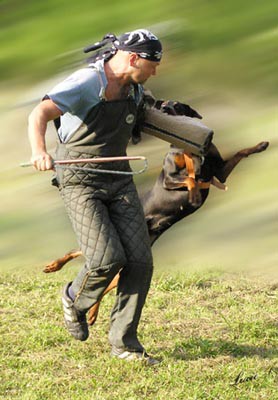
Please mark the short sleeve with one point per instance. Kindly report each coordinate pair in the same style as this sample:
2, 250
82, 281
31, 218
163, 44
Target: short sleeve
66, 95
80, 90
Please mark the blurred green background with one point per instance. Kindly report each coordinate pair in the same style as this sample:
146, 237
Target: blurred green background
219, 56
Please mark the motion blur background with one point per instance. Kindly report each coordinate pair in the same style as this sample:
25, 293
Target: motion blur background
219, 56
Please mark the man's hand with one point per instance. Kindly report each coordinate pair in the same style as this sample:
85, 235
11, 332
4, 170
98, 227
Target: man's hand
42, 161
37, 123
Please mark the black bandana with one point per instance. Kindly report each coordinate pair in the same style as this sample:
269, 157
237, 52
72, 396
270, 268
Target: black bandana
141, 41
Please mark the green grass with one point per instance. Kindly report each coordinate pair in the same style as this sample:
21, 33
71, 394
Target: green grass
215, 335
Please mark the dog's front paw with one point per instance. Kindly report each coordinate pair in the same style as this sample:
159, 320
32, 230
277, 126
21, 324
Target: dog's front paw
195, 197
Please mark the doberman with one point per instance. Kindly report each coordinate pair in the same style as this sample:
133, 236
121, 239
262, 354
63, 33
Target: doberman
181, 189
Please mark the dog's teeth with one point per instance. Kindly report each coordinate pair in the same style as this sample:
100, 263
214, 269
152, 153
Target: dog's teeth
181, 208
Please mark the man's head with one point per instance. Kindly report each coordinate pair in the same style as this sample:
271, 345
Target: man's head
139, 51
144, 52
142, 42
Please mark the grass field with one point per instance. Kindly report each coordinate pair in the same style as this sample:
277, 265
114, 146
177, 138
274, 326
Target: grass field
216, 337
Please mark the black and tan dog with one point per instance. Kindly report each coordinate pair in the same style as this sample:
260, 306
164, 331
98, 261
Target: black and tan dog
181, 188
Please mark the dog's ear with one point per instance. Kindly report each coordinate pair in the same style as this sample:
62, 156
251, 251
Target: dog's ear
158, 104
166, 107
176, 108
185, 109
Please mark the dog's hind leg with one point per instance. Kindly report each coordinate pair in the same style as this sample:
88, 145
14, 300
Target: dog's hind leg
232, 162
58, 264
93, 312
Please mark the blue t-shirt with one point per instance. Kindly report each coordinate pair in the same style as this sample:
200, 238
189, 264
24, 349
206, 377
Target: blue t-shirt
78, 94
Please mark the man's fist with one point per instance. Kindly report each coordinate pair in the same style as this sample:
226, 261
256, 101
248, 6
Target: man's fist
42, 162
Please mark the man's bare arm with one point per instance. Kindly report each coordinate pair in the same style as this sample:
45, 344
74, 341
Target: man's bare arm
37, 124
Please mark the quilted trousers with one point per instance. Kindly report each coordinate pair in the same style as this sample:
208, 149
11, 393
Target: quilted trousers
109, 223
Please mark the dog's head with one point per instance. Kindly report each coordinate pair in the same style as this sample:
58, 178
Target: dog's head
176, 108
